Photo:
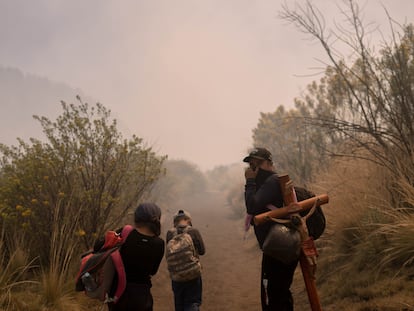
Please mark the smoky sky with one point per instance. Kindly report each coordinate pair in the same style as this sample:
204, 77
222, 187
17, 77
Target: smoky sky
189, 77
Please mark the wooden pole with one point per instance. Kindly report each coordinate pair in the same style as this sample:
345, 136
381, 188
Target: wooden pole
308, 254
294, 207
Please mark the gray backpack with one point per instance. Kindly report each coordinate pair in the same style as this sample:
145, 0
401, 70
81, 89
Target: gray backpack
182, 258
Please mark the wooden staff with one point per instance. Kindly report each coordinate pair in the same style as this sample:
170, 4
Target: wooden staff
308, 254
294, 207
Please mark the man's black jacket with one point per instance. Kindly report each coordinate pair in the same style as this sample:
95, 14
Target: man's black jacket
259, 192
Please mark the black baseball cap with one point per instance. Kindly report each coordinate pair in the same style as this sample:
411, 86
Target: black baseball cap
259, 153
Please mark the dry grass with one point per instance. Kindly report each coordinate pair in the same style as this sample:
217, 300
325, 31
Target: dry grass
368, 243
52, 289
14, 272
56, 287
55, 293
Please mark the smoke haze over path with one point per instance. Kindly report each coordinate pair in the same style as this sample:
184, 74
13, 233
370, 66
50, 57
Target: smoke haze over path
231, 265
189, 77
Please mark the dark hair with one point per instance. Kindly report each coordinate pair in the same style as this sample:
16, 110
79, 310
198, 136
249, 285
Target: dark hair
149, 214
181, 214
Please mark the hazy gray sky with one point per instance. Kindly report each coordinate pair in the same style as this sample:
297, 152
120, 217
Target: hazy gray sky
190, 77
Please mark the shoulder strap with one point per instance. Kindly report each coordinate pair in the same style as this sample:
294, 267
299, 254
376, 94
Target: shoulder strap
120, 270
119, 267
126, 230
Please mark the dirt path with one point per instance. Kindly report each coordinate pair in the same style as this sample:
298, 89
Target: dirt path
230, 265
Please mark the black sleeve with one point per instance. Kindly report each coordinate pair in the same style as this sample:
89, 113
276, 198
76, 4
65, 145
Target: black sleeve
198, 241
170, 235
268, 193
160, 254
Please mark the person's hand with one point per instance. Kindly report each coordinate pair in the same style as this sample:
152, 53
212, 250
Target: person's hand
250, 173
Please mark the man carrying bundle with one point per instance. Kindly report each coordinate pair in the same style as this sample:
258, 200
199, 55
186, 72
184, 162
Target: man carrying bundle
262, 188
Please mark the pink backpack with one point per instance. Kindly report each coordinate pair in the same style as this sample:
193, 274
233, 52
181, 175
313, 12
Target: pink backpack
102, 274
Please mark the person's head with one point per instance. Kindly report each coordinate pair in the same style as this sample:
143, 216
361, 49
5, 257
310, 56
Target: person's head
148, 215
260, 158
182, 217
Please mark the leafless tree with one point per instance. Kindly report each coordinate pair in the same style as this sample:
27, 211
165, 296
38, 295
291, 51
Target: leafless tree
365, 102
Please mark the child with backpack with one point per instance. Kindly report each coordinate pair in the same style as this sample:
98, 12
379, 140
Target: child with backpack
184, 246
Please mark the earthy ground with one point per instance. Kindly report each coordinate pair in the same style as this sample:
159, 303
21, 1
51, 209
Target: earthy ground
231, 265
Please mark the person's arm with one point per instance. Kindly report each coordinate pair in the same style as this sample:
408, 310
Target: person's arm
160, 254
170, 235
198, 241
268, 193
249, 195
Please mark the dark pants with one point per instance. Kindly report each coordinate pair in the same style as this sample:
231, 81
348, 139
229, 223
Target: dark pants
187, 295
136, 297
276, 280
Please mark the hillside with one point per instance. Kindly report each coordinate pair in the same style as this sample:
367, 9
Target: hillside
24, 95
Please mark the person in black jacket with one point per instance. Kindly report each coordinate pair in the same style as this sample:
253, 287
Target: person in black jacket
141, 254
262, 188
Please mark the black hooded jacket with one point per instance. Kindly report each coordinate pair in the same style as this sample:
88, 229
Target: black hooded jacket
259, 192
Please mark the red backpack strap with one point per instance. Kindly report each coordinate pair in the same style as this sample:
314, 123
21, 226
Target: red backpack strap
120, 271
112, 239
126, 230
119, 265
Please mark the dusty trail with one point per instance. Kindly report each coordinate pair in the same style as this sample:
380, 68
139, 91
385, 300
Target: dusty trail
231, 265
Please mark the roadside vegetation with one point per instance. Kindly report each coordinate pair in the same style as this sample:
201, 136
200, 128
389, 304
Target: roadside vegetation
350, 135
58, 194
